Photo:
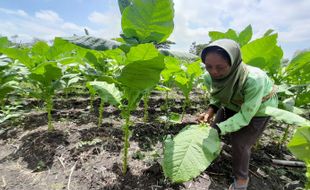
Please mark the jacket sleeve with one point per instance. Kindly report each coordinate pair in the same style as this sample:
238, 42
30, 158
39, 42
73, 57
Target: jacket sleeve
253, 94
215, 104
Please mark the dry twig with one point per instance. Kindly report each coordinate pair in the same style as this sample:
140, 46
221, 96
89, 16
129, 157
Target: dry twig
69, 180
4, 182
61, 162
288, 163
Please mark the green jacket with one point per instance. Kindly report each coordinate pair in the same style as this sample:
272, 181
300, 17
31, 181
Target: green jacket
257, 86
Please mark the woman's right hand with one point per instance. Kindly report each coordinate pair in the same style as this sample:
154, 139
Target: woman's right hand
206, 117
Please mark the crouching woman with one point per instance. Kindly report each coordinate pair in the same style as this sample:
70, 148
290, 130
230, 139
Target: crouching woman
239, 95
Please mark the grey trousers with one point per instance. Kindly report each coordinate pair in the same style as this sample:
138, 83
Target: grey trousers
242, 141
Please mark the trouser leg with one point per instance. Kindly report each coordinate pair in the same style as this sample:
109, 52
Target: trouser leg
242, 142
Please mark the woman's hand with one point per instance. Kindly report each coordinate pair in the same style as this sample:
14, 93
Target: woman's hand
207, 116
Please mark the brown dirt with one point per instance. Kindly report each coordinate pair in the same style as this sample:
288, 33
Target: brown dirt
82, 156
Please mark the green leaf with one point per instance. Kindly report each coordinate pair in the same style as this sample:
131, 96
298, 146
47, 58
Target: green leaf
298, 70
19, 54
284, 88
172, 65
190, 152
185, 79
263, 53
286, 116
122, 4
180, 55
4, 62
172, 117
46, 73
98, 63
243, 38
194, 69
184, 83
4, 42
140, 75
299, 145
288, 104
268, 32
116, 54
7, 117
303, 98
230, 34
40, 48
74, 81
90, 42
91, 89
162, 88
7, 87
107, 92
245, 35
148, 21
181, 79
60, 48
133, 96
65, 52
91, 58
142, 52
175, 117
108, 79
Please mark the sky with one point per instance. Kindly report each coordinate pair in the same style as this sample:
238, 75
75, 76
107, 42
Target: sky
24, 20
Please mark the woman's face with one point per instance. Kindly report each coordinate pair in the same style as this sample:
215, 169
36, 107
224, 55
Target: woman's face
217, 66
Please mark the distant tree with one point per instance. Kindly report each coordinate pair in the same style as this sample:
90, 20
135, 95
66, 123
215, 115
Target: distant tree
285, 62
196, 48
14, 38
300, 51
35, 40
164, 45
86, 32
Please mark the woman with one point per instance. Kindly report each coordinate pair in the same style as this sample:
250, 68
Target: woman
239, 95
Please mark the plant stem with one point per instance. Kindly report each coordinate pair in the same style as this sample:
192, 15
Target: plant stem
2, 104
186, 102
307, 185
101, 108
167, 123
126, 140
284, 137
146, 98
92, 98
49, 107
66, 91
166, 102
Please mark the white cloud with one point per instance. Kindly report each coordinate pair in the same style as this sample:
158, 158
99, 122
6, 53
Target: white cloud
48, 15
14, 12
70, 26
194, 19
45, 24
298, 32
100, 18
109, 22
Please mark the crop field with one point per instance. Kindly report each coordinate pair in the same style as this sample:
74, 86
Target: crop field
91, 113
82, 155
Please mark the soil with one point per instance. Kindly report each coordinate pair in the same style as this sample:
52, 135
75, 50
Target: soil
82, 156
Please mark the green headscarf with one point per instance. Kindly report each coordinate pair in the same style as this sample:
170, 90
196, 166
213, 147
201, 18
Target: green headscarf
229, 89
